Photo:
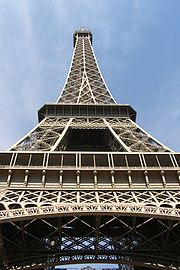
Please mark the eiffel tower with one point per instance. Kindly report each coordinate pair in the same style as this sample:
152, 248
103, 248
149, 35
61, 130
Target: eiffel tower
87, 184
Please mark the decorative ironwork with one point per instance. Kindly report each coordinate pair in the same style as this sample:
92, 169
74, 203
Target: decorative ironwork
87, 184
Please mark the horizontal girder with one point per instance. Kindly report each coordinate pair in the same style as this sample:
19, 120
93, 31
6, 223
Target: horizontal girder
25, 204
122, 260
86, 209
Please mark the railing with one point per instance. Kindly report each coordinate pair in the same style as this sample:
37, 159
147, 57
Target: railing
90, 159
71, 169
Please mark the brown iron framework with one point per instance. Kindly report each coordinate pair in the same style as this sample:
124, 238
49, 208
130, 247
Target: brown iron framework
87, 184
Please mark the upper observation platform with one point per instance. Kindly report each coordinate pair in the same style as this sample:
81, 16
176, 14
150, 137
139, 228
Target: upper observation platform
82, 33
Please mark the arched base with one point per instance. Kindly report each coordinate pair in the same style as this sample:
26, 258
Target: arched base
137, 241
123, 263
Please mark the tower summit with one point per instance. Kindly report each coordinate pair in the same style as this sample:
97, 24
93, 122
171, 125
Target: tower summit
82, 33
87, 184
85, 84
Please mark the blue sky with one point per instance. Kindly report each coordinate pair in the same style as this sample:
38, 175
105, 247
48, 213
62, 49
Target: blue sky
137, 44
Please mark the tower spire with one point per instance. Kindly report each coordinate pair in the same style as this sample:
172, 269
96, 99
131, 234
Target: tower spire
84, 83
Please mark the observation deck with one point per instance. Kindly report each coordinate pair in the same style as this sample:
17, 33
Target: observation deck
82, 33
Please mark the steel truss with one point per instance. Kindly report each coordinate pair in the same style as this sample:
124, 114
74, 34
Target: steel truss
87, 184
41, 228
26, 203
138, 241
85, 83
51, 133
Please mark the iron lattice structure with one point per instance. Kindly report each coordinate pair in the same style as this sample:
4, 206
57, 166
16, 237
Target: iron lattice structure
87, 184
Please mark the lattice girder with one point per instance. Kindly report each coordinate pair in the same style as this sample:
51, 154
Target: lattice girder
25, 204
85, 83
51, 131
135, 241
45, 136
134, 137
